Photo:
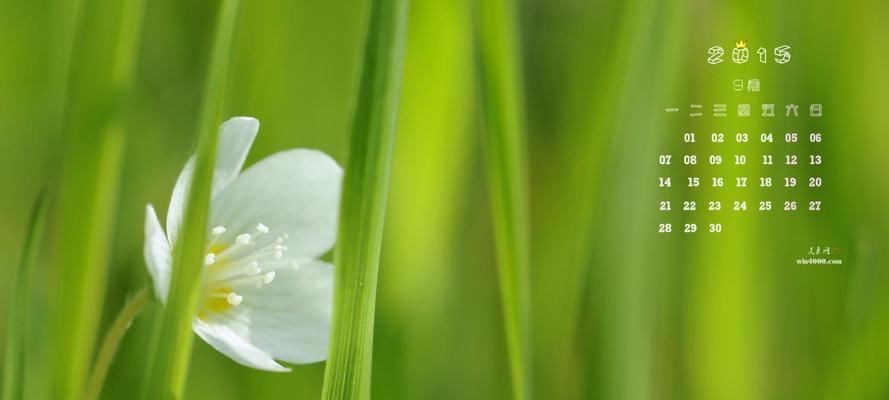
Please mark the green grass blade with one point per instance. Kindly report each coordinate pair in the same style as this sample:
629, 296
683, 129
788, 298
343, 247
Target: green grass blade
366, 184
17, 318
169, 360
501, 95
96, 111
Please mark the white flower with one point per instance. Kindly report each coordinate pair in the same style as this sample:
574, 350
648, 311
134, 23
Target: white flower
264, 295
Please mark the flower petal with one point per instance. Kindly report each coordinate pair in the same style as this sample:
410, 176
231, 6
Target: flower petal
176, 209
235, 139
288, 318
227, 342
157, 253
295, 192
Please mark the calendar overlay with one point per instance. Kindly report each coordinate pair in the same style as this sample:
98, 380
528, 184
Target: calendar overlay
748, 165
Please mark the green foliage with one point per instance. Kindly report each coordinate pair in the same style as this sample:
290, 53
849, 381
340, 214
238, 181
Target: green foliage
363, 210
503, 114
19, 297
169, 360
616, 312
95, 121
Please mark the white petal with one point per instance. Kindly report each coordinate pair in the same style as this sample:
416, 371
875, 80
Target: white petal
235, 139
176, 209
157, 253
290, 317
227, 342
295, 192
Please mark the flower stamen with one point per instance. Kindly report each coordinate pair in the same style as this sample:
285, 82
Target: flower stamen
243, 239
240, 265
215, 233
234, 299
251, 268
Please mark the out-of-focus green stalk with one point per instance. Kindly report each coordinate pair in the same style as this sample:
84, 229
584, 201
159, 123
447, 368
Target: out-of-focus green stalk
96, 111
112, 340
503, 112
623, 285
168, 362
421, 282
363, 208
17, 317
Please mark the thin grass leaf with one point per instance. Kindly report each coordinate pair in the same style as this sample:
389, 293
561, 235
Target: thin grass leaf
96, 110
503, 112
17, 318
169, 360
363, 208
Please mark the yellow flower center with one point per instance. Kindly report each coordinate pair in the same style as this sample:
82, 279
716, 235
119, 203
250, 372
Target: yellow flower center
231, 268
215, 301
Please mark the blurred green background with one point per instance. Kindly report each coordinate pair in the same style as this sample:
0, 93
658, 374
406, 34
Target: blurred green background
618, 311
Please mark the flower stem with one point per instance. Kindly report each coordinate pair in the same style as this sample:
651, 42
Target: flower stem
112, 340
503, 112
363, 207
